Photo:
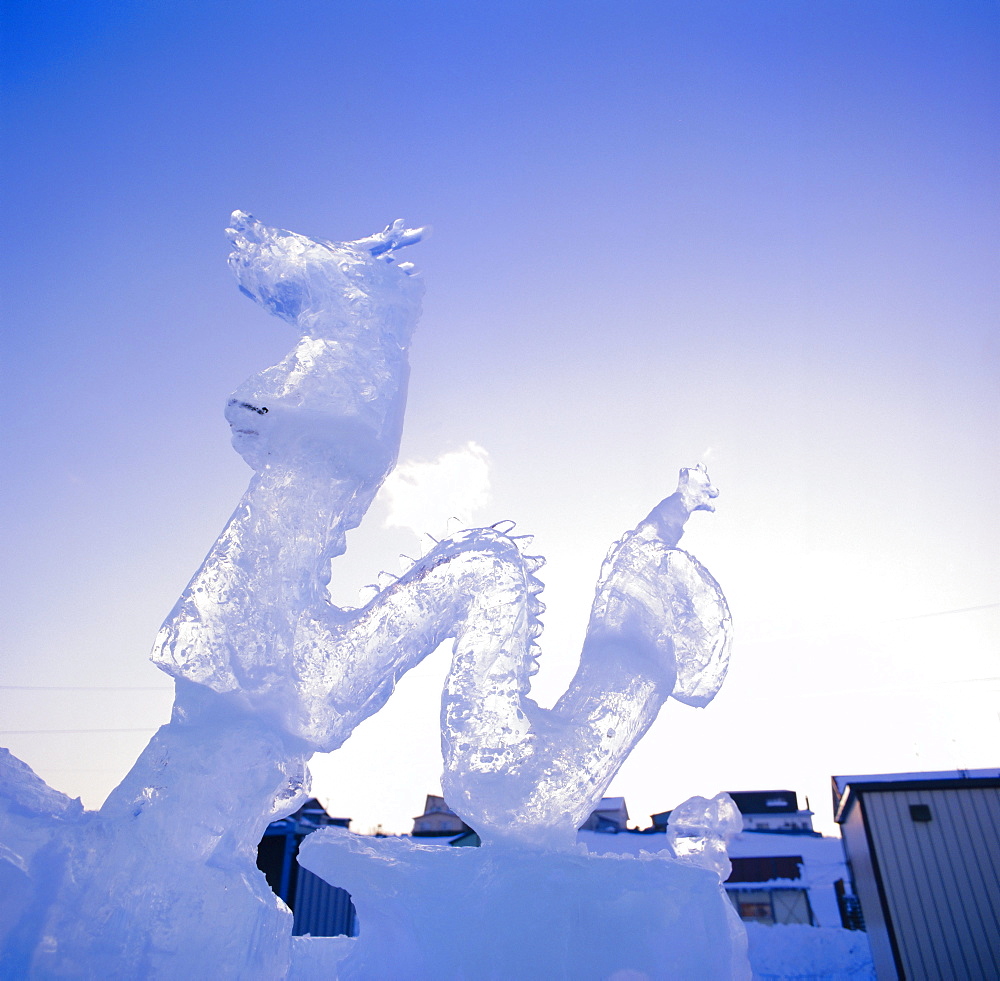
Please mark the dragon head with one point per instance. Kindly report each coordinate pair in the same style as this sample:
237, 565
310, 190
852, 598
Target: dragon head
335, 402
326, 288
695, 489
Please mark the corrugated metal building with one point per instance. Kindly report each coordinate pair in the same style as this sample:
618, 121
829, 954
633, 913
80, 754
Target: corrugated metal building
320, 910
924, 850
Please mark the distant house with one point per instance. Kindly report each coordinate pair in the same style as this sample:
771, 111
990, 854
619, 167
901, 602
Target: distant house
925, 852
783, 871
779, 877
772, 810
762, 810
609, 817
319, 909
438, 820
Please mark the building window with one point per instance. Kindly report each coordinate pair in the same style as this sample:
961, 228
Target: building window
764, 868
769, 906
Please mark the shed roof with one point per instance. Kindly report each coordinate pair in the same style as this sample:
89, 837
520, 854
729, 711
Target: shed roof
612, 804
846, 788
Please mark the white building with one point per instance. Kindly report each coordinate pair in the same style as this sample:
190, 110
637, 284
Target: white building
438, 820
788, 878
772, 810
783, 871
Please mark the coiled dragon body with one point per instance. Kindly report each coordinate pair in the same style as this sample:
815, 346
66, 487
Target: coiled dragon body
269, 671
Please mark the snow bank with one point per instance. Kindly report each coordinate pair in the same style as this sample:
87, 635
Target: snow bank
805, 953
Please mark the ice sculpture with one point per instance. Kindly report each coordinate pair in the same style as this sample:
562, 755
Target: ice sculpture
505, 911
659, 626
161, 882
321, 430
699, 832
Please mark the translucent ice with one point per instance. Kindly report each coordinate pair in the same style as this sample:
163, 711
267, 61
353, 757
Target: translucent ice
162, 882
321, 429
659, 626
35, 822
493, 914
699, 832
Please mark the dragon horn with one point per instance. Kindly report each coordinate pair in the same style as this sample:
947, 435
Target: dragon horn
392, 237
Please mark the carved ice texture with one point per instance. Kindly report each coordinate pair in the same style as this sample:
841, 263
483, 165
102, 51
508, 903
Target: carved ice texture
699, 832
161, 882
321, 429
494, 914
659, 626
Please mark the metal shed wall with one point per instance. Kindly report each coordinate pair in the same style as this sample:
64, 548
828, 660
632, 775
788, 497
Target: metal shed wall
322, 910
940, 878
866, 883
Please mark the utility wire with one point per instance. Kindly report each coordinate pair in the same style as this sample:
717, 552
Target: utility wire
84, 688
36, 732
839, 693
854, 626
942, 613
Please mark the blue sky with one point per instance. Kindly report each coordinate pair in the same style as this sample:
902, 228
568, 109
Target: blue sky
758, 234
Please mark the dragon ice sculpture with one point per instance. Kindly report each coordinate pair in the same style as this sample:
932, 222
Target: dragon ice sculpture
268, 670
321, 430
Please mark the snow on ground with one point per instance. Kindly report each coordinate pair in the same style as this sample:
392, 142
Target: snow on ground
805, 953
782, 952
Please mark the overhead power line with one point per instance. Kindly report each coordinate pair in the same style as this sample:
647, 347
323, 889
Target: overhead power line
37, 732
944, 613
84, 688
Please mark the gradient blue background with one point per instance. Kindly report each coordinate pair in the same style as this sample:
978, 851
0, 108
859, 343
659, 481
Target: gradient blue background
758, 234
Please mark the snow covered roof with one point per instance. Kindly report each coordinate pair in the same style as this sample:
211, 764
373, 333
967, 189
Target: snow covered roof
841, 782
612, 804
822, 857
756, 844
311, 815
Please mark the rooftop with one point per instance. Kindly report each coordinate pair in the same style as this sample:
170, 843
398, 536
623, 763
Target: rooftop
948, 779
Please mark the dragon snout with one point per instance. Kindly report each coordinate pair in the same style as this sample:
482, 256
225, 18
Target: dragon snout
261, 410
244, 229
